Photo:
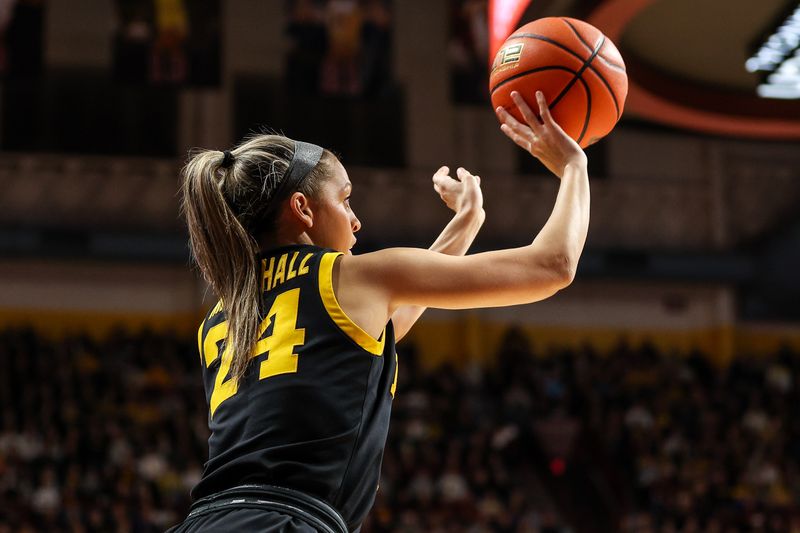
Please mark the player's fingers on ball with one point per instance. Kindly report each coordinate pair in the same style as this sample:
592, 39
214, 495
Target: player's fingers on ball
509, 120
520, 131
509, 131
544, 110
519, 140
524, 108
523, 142
517, 137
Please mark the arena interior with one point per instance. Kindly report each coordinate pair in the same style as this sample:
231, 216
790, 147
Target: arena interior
657, 393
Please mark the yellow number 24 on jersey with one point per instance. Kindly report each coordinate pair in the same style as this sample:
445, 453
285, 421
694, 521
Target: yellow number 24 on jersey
279, 346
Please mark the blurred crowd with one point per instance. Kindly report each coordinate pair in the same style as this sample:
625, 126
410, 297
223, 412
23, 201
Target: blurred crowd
696, 448
468, 51
167, 42
110, 435
98, 436
339, 47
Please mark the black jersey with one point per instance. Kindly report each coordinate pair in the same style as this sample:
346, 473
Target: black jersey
312, 411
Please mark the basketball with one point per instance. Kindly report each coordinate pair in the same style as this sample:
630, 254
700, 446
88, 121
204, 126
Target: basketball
579, 70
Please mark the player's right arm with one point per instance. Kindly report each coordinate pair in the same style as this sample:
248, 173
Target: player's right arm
403, 276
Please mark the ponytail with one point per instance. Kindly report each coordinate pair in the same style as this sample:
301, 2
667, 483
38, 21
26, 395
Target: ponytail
225, 196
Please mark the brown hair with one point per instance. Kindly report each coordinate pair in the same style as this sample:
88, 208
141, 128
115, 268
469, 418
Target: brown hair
227, 208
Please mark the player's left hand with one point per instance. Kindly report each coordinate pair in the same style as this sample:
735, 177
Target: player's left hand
462, 194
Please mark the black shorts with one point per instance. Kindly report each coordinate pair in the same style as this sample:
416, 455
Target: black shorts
261, 509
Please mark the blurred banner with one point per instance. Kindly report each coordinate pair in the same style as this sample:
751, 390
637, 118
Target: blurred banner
168, 42
503, 18
339, 47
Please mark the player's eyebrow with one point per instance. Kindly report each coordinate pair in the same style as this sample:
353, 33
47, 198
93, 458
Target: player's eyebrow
347, 185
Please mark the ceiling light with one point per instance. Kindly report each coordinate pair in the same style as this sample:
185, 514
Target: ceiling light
778, 59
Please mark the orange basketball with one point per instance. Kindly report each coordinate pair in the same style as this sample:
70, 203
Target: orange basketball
579, 70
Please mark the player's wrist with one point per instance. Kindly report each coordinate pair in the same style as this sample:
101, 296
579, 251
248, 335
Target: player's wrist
578, 162
471, 212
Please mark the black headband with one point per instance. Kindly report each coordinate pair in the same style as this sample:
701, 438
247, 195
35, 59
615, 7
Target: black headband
306, 157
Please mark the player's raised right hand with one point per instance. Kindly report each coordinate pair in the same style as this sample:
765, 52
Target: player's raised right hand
462, 194
545, 140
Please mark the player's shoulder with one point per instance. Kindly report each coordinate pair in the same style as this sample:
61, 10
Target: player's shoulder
213, 317
216, 313
385, 262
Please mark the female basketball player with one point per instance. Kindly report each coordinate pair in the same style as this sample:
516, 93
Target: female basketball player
298, 356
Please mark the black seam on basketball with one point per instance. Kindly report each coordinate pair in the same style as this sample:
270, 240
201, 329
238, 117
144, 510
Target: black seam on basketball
520, 74
545, 39
588, 109
610, 91
611, 64
599, 75
577, 34
577, 76
589, 47
568, 50
559, 45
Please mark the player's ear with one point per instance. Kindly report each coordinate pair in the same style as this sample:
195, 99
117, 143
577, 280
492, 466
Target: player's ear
300, 208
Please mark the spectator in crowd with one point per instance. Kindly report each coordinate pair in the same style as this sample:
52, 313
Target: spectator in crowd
132, 43
468, 51
167, 42
339, 48
340, 70
169, 63
307, 44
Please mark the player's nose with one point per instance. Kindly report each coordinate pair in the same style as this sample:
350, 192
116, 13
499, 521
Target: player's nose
355, 224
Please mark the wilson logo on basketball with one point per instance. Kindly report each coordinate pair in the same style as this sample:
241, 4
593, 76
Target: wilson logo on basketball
508, 57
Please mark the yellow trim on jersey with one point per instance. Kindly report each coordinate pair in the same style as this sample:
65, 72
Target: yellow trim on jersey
361, 337
200, 339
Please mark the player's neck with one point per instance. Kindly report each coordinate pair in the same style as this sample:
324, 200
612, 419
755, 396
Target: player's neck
268, 242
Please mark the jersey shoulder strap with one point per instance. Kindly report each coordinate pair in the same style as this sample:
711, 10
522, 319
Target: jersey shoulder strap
337, 314
214, 317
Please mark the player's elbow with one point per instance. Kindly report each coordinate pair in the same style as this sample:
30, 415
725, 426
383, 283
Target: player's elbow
567, 269
555, 273
562, 271
557, 267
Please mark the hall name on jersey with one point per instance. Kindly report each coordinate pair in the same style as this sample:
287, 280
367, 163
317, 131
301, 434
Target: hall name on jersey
284, 269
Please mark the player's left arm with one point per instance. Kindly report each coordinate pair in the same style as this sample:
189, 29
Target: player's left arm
463, 195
